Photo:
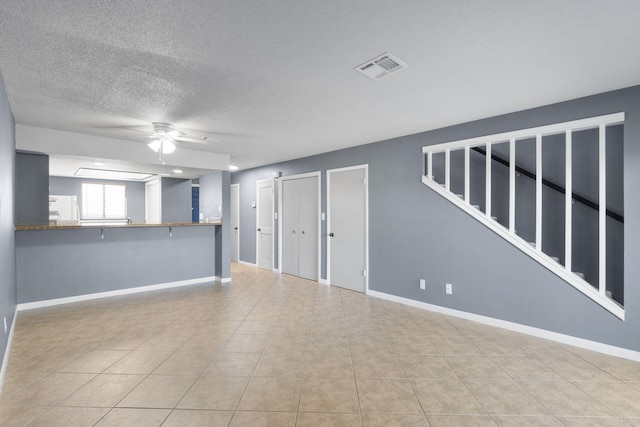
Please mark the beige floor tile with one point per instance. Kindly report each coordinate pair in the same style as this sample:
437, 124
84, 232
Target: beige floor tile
446, 397
504, 397
329, 395
617, 396
526, 421
195, 418
309, 419
389, 420
565, 399
263, 419
47, 391
370, 344
158, 391
475, 367
246, 343
432, 367
219, 393
460, 421
103, 391
454, 345
119, 417
19, 416
408, 344
184, 363
387, 396
329, 365
593, 422
526, 368
287, 343
622, 369
94, 362
255, 327
574, 368
138, 362
271, 394
70, 417
377, 366
281, 365
232, 364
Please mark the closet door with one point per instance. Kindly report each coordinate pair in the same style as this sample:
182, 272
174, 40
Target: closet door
307, 189
290, 226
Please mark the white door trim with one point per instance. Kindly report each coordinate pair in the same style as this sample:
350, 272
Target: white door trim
147, 184
238, 221
366, 220
317, 174
255, 228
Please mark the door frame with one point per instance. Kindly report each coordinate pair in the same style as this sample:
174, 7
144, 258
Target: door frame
317, 174
258, 182
238, 220
366, 220
148, 184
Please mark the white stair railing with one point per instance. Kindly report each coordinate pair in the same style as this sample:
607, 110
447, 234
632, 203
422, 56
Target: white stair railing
598, 291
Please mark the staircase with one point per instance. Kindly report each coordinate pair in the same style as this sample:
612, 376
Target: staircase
552, 183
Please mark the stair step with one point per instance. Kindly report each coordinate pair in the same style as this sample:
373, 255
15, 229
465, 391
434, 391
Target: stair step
460, 195
495, 218
556, 259
532, 244
579, 274
476, 206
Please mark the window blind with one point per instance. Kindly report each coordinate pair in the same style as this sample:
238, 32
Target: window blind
104, 201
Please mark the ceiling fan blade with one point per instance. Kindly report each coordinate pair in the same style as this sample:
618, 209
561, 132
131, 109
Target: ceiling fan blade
203, 140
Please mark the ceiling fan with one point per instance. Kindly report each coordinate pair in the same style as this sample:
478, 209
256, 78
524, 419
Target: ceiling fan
165, 135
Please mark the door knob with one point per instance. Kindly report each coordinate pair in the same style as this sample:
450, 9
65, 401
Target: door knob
259, 229
330, 234
235, 228
302, 231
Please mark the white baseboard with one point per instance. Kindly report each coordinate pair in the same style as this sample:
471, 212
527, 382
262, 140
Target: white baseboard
5, 361
323, 282
276, 270
250, 264
119, 292
516, 327
223, 280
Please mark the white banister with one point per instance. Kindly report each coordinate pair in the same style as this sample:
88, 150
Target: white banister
487, 199
539, 192
568, 200
602, 212
430, 165
467, 169
447, 170
512, 185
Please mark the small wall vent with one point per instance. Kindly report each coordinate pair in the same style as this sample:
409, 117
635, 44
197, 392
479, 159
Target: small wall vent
381, 66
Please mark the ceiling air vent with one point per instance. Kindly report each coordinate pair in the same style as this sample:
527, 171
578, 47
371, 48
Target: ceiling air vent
381, 66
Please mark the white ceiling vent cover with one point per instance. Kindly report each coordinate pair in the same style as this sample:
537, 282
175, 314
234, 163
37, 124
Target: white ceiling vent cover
381, 66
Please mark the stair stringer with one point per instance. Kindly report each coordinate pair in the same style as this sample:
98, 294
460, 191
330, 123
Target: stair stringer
543, 259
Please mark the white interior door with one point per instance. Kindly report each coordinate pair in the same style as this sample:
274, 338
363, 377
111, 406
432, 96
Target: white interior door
290, 214
308, 227
235, 222
347, 227
153, 202
264, 222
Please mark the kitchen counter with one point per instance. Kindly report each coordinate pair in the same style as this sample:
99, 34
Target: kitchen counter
115, 225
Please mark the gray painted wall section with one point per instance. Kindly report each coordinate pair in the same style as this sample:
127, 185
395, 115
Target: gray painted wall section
414, 233
62, 263
211, 195
8, 292
215, 194
176, 200
32, 188
65, 186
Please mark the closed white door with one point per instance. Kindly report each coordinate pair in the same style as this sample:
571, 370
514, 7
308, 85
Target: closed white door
299, 222
235, 222
264, 222
347, 227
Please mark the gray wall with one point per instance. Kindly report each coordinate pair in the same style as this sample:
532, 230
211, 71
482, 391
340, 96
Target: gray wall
414, 233
176, 200
32, 188
7, 228
66, 186
214, 191
62, 263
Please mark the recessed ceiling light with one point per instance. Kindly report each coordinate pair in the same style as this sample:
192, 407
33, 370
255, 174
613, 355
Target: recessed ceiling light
233, 167
177, 171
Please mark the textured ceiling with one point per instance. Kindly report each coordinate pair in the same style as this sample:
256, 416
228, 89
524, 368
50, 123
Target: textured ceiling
275, 81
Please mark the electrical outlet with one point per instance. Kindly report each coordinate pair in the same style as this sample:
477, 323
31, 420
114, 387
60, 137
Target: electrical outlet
423, 284
448, 288
5, 324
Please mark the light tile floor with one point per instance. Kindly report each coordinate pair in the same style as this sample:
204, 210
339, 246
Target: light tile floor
274, 350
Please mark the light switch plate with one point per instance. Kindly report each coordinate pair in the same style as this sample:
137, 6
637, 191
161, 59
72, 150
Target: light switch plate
449, 288
423, 284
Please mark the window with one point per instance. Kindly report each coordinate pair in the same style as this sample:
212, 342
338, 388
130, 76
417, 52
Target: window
104, 201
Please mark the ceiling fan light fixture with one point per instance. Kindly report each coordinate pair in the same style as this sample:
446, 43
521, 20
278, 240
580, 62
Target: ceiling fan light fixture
166, 145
